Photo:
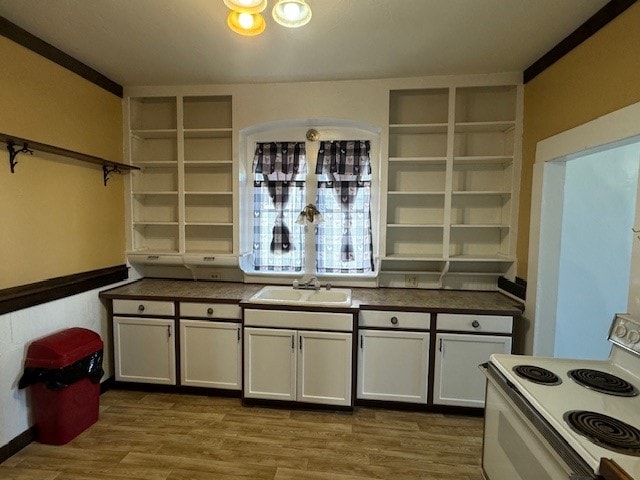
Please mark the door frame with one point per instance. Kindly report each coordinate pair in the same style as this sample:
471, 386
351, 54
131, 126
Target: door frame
618, 128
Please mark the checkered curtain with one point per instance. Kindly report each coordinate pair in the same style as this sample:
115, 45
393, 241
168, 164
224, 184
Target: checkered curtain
279, 170
344, 241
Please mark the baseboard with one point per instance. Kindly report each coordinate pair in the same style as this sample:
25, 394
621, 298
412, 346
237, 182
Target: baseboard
107, 385
17, 444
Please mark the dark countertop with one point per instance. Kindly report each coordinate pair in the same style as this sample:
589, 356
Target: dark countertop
456, 301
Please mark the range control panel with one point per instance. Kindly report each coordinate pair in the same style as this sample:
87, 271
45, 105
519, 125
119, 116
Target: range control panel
625, 332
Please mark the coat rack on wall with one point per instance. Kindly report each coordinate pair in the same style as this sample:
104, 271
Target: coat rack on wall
16, 146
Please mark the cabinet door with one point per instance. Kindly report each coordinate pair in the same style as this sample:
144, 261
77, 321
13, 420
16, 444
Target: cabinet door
324, 367
210, 354
269, 363
457, 378
144, 350
393, 365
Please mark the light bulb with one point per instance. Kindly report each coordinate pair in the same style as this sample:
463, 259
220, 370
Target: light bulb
291, 11
245, 20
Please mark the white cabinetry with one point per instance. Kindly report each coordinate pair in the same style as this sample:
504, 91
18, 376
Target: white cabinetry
453, 173
144, 346
181, 201
270, 363
393, 365
310, 366
211, 345
393, 356
462, 343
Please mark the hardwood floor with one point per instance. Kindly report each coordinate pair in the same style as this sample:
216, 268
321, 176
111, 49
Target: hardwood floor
154, 436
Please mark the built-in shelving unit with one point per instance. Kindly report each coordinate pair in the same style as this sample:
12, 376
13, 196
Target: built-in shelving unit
182, 198
454, 156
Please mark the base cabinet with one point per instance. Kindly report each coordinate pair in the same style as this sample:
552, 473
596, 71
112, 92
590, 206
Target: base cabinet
270, 363
393, 365
303, 366
210, 354
459, 351
144, 350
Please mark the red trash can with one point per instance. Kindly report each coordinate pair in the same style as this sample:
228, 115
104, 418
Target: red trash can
64, 371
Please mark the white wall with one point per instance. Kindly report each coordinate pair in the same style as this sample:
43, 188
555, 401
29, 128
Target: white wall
18, 329
595, 251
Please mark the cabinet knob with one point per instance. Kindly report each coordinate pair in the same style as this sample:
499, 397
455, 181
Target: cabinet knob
475, 324
209, 311
141, 308
394, 320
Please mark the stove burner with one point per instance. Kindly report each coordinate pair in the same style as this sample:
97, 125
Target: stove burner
603, 382
605, 431
537, 374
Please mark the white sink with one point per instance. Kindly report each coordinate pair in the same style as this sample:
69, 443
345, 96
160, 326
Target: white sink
276, 295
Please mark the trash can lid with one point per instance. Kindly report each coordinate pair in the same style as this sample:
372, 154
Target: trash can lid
63, 348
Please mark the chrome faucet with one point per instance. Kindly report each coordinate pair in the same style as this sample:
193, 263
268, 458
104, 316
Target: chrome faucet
311, 284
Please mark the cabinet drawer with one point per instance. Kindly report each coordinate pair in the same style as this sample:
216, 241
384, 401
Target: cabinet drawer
303, 320
390, 319
474, 323
143, 307
210, 310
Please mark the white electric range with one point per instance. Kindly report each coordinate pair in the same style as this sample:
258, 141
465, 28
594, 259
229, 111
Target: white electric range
555, 419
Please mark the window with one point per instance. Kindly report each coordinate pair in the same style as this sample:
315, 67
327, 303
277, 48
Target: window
283, 180
344, 241
279, 172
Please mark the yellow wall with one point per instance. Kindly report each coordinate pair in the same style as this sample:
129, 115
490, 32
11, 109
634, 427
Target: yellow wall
598, 77
56, 216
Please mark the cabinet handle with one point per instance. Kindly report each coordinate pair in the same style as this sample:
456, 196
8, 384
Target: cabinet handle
394, 320
441, 348
293, 343
238, 334
475, 324
209, 311
141, 308
300, 343
168, 331
361, 341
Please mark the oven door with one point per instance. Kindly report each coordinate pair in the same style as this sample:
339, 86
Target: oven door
516, 449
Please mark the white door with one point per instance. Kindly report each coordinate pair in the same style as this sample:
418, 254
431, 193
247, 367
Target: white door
393, 365
210, 354
324, 367
458, 381
145, 350
270, 363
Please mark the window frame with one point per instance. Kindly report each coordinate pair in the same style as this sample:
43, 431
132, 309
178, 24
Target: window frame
291, 131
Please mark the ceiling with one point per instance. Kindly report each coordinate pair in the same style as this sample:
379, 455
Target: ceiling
185, 42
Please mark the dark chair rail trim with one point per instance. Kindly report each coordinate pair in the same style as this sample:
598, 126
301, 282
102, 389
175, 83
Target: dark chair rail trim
24, 296
598, 20
48, 51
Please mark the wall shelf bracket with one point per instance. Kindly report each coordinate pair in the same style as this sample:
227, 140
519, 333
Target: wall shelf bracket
14, 150
107, 170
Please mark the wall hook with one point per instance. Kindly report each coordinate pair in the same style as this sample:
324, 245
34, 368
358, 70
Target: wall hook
14, 150
106, 171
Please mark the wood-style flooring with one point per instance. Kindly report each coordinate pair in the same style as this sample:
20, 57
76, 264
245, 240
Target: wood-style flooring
154, 436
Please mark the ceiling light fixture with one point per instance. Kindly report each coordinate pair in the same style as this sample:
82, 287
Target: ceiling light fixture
246, 6
291, 13
244, 23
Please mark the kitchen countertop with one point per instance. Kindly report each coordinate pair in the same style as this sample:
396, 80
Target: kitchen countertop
455, 301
